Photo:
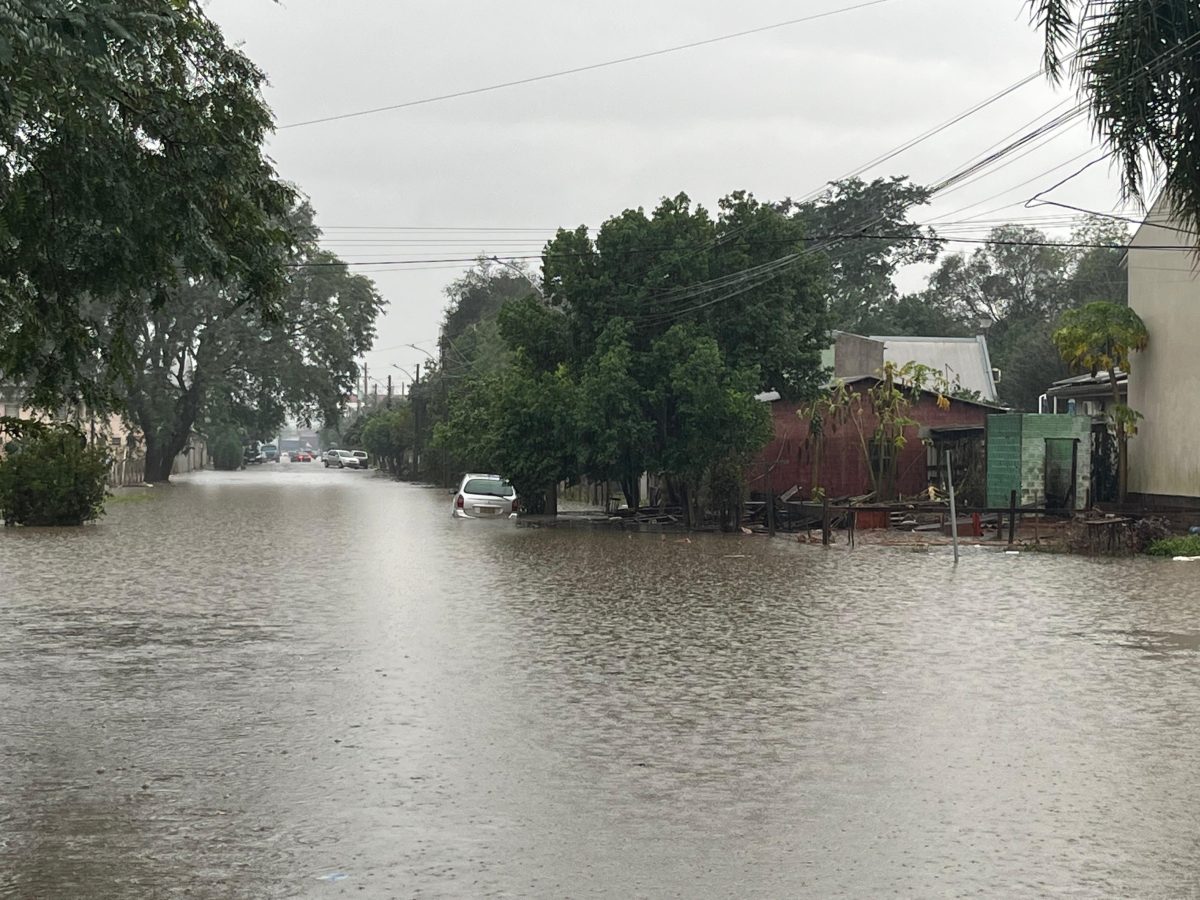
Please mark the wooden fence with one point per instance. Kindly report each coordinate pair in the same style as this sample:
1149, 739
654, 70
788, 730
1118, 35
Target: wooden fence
131, 470
127, 472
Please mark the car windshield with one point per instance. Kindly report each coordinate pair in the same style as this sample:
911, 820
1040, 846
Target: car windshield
493, 487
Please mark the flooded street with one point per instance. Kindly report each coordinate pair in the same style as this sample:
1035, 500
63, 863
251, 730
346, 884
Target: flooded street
299, 682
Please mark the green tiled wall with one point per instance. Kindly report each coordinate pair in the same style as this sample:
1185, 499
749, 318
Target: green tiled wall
1016, 456
1003, 458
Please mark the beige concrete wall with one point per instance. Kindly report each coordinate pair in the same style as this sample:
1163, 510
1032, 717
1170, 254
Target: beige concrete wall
856, 355
1164, 380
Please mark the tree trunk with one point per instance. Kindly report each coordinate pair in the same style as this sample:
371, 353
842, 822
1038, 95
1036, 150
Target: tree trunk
160, 456
166, 440
630, 488
1122, 440
551, 503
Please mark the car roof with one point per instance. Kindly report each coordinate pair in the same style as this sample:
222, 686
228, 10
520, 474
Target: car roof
479, 475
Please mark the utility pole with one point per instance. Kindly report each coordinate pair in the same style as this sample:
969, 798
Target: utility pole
416, 408
389, 397
366, 387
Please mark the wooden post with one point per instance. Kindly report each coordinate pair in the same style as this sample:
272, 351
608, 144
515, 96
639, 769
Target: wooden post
1012, 517
953, 510
825, 535
771, 512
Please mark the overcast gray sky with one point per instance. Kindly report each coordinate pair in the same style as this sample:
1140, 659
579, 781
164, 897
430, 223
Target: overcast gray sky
778, 113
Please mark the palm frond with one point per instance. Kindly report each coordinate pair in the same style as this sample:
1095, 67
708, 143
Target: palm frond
1056, 21
1139, 65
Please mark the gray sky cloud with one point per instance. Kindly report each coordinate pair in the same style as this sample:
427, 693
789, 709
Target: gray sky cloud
778, 113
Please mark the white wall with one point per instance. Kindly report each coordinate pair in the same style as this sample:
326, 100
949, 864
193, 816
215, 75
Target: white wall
1164, 380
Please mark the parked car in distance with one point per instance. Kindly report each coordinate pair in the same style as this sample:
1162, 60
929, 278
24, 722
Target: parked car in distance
361, 456
252, 454
270, 452
484, 497
342, 459
302, 456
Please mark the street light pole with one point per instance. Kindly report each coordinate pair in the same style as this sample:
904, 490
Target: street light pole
533, 284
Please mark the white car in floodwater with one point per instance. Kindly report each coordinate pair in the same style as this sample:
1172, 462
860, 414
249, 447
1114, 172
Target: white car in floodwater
484, 497
342, 459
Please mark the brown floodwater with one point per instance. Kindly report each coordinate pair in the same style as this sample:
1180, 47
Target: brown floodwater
299, 682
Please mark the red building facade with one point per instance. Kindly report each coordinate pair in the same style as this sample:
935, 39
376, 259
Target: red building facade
789, 458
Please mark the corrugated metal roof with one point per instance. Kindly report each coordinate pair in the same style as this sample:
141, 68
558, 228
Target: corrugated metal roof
1088, 378
964, 359
855, 379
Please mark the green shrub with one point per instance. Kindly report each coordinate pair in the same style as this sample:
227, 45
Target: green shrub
226, 450
1188, 545
51, 477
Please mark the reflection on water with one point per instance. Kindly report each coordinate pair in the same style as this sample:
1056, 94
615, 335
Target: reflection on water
308, 683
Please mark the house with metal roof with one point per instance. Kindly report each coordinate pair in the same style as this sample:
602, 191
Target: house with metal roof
964, 361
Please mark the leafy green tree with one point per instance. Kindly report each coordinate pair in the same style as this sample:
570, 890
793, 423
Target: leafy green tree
1098, 268
919, 314
388, 436
706, 414
520, 424
1136, 64
1016, 288
225, 448
861, 281
1024, 352
614, 432
50, 476
646, 351
741, 278
130, 163
1099, 337
203, 353
469, 342
1013, 277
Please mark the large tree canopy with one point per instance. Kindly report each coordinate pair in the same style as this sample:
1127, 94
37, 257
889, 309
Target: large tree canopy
130, 162
864, 230
1015, 288
646, 351
203, 357
744, 278
1137, 64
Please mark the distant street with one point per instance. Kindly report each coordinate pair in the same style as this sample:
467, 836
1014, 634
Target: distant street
299, 682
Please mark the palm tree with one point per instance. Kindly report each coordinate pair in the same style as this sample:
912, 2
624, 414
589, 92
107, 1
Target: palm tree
1137, 64
1099, 336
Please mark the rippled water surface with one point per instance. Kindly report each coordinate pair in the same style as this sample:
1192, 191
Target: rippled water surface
297, 682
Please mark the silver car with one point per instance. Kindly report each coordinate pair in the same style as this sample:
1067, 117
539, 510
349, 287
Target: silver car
484, 497
342, 459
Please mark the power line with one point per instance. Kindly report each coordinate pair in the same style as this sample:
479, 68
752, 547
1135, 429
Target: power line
935, 130
578, 69
857, 235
